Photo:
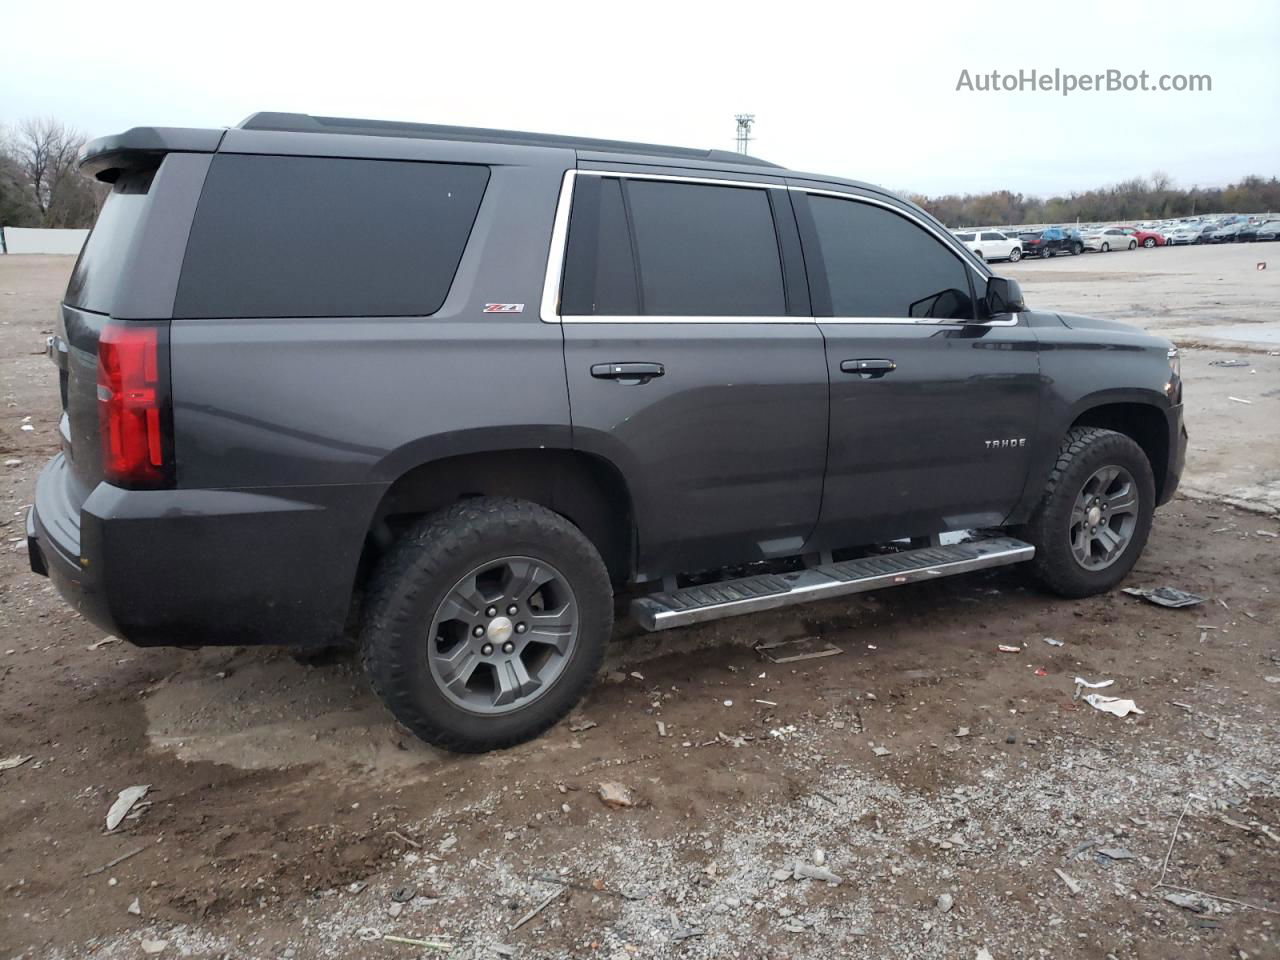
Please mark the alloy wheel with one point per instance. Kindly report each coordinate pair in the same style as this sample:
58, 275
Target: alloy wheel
503, 634
1104, 517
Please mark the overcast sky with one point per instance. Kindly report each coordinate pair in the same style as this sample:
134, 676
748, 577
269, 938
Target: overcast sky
863, 91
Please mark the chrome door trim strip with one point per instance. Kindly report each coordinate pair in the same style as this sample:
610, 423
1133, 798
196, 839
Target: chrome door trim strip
923, 321
685, 320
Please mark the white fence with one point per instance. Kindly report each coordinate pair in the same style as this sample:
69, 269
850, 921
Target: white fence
42, 240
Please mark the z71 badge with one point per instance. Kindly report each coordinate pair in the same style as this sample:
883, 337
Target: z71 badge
504, 308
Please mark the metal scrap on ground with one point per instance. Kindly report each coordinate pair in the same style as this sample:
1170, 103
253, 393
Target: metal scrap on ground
1165, 596
789, 651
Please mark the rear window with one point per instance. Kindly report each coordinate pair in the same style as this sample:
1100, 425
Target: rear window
659, 248
100, 268
327, 237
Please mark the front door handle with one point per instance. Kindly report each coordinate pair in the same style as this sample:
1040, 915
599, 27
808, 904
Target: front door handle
868, 369
627, 372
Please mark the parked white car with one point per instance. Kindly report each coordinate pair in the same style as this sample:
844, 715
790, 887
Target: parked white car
992, 245
1105, 239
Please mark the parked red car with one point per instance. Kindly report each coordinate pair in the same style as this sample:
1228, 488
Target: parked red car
1145, 238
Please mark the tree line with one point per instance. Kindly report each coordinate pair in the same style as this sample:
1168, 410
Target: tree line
1142, 198
39, 183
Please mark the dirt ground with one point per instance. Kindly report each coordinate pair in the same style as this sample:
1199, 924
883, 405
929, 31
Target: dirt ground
967, 803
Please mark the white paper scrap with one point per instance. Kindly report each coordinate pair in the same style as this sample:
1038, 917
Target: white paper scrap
1112, 705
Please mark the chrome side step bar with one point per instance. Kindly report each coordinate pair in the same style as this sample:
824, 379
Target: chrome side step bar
730, 598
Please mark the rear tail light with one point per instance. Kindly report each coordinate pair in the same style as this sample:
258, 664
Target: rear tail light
134, 413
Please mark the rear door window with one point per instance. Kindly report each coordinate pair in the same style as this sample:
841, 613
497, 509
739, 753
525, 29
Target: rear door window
880, 264
664, 248
327, 237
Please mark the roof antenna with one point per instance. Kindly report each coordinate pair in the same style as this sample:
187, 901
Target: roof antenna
745, 120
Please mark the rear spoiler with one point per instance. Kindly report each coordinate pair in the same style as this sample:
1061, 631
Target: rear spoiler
106, 157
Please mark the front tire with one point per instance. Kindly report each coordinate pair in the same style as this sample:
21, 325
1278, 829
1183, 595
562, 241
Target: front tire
1015, 255
1093, 521
1133, 244
1149, 242
487, 621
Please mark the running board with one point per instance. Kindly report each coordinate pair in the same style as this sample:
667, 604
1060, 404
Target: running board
767, 591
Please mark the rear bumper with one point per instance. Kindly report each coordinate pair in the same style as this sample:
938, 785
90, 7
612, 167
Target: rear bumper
202, 567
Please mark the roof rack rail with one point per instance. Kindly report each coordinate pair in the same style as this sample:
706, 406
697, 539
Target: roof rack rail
305, 123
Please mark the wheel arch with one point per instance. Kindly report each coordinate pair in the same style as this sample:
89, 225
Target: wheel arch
1143, 422
587, 490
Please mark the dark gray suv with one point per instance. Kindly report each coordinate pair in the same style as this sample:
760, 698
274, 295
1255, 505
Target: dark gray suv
452, 388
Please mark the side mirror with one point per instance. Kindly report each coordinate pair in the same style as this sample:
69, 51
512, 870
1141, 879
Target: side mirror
1004, 296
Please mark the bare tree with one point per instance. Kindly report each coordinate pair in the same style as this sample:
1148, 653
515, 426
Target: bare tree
45, 149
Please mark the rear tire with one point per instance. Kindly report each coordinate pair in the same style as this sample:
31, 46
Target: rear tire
1106, 248
1149, 242
444, 580
1093, 521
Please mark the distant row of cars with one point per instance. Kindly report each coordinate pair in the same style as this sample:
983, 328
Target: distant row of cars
1242, 230
1051, 241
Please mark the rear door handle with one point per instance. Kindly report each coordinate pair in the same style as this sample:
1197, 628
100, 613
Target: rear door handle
627, 372
868, 369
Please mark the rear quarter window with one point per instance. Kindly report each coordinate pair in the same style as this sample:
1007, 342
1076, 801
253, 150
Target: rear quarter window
327, 237
99, 271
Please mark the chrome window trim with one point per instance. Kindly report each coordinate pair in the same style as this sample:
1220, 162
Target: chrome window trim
682, 178
549, 309
549, 312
